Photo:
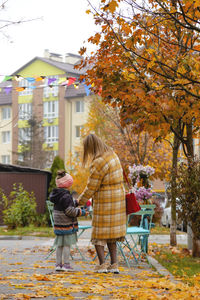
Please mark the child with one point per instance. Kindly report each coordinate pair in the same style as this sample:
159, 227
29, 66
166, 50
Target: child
65, 215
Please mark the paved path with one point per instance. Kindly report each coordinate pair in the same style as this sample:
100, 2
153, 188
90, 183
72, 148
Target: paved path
25, 273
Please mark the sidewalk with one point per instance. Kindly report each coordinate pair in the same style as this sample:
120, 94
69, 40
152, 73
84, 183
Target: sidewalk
25, 274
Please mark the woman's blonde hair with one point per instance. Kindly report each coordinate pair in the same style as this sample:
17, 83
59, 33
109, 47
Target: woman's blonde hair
93, 147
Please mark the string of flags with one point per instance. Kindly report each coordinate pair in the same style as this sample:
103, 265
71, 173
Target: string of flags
49, 82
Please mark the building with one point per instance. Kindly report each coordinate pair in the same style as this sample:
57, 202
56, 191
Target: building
42, 91
34, 180
6, 123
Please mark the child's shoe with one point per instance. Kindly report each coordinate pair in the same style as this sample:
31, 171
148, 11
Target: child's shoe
101, 268
113, 269
67, 268
58, 267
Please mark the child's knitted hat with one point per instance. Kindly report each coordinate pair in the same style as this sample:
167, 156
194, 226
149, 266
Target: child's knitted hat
64, 182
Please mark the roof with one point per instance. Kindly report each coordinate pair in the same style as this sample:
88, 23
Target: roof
15, 168
5, 98
66, 67
72, 92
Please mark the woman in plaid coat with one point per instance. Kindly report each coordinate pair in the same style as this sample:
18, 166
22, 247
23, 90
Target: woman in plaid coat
105, 186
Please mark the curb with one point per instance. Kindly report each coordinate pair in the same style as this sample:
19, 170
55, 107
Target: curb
160, 269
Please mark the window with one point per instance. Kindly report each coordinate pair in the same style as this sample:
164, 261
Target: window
25, 83
21, 157
51, 109
80, 106
51, 134
51, 89
5, 137
78, 131
25, 111
5, 159
5, 113
24, 135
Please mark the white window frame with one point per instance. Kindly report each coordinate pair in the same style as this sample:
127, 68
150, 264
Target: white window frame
78, 129
6, 113
25, 111
51, 90
50, 109
25, 83
5, 159
50, 134
79, 106
24, 135
6, 137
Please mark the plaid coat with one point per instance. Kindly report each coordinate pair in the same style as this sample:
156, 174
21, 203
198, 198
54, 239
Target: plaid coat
105, 186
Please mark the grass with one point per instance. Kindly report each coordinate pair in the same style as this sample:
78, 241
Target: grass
28, 231
178, 261
163, 230
32, 230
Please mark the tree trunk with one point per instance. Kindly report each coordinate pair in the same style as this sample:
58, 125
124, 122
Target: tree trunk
196, 247
176, 144
190, 151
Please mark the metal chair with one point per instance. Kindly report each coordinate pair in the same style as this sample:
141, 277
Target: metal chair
81, 228
136, 240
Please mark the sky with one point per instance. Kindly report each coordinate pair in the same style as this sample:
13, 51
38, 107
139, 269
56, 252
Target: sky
62, 27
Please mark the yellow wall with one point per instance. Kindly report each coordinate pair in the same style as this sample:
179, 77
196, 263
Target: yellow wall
6, 125
40, 68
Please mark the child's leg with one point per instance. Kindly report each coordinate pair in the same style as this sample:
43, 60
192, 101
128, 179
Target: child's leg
66, 254
59, 252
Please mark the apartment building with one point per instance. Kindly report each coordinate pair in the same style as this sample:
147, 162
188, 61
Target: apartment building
6, 123
41, 89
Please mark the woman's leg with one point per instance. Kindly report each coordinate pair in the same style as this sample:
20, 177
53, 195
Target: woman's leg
59, 251
100, 253
66, 254
112, 247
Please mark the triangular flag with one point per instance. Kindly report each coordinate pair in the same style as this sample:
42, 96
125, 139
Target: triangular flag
71, 80
7, 78
87, 89
50, 80
61, 80
20, 89
40, 78
30, 79
8, 89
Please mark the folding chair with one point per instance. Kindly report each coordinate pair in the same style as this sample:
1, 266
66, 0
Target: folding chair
81, 228
136, 240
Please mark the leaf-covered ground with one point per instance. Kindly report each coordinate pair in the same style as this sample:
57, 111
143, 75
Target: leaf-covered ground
25, 274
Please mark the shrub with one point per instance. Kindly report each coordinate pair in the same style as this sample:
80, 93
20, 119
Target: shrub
58, 164
19, 207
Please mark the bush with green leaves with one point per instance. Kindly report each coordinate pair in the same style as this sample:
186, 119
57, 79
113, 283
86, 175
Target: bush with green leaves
188, 194
19, 207
58, 164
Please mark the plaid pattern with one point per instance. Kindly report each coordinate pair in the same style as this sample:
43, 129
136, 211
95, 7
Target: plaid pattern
105, 186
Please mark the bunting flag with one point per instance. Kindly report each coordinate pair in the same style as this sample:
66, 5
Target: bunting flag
87, 89
51, 82
8, 89
71, 80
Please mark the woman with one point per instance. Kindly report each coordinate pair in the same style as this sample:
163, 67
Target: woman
105, 186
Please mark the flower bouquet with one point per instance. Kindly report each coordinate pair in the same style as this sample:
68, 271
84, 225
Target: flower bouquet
140, 173
139, 176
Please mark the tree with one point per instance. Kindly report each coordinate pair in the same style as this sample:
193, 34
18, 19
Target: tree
132, 148
5, 23
58, 164
31, 140
148, 66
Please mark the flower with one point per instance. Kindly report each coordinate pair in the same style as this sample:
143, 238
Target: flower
143, 194
138, 171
